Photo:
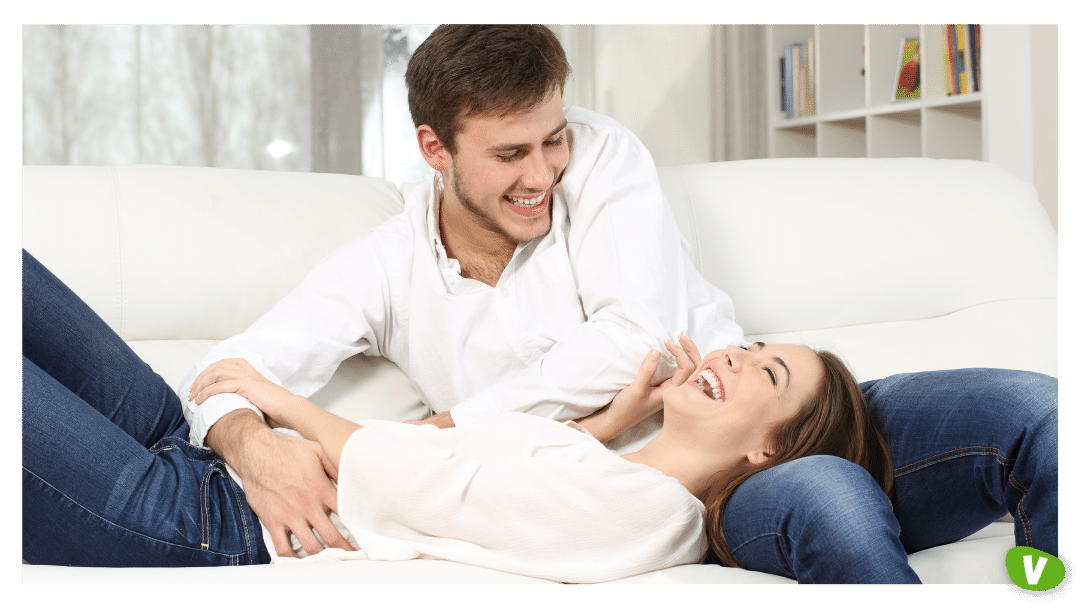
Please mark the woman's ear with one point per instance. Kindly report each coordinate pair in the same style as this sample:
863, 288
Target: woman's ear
435, 154
759, 456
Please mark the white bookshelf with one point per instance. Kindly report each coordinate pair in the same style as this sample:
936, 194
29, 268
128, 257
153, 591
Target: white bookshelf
855, 115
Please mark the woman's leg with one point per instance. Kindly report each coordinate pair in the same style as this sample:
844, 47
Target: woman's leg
969, 446
71, 343
108, 477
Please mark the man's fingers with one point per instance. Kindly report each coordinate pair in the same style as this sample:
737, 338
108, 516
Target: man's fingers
308, 541
280, 538
332, 536
332, 473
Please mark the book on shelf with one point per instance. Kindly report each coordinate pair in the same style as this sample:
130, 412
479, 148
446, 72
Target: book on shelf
797, 80
908, 68
962, 59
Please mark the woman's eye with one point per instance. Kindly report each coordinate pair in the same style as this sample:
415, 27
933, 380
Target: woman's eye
772, 375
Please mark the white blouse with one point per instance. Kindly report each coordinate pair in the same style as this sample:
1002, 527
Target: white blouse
516, 493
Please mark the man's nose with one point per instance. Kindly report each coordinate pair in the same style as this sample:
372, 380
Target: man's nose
538, 173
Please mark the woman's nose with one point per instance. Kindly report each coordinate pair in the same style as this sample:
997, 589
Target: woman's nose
733, 357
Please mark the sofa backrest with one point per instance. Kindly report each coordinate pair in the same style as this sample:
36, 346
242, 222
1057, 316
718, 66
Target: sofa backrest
804, 244
165, 252
801, 245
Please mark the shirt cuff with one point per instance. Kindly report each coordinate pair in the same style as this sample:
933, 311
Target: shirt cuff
212, 410
475, 409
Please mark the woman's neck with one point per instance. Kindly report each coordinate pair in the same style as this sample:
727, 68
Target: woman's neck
688, 466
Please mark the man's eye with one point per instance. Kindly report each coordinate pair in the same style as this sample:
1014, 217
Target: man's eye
554, 142
508, 158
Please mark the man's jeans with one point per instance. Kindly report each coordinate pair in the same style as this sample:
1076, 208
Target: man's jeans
968, 445
109, 478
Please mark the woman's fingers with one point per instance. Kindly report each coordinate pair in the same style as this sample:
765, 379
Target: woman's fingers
691, 349
226, 369
647, 370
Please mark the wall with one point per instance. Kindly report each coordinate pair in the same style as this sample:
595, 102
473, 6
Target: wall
1044, 106
654, 79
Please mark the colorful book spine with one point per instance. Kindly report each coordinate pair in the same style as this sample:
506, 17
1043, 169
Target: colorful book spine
976, 53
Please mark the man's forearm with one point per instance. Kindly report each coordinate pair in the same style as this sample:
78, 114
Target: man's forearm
230, 435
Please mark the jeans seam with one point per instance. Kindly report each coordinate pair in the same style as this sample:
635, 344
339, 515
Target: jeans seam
248, 542
112, 523
1020, 510
949, 455
1025, 520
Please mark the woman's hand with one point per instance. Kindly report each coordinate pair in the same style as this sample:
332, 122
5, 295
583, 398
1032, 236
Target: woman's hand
238, 376
641, 400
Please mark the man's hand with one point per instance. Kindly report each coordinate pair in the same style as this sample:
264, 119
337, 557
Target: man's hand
287, 481
443, 421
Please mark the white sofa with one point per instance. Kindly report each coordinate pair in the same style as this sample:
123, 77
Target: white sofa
899, 265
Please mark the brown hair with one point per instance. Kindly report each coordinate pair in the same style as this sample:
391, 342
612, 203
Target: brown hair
836, 420
470, 70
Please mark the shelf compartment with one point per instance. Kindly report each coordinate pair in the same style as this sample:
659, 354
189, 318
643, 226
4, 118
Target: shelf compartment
796, 142
882, 57
954, 131
843, 138
840, 67
895, 135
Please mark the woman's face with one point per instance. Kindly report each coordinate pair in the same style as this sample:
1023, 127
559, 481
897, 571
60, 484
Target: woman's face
736, 396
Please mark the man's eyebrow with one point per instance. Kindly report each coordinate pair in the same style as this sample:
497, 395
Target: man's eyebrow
509, 147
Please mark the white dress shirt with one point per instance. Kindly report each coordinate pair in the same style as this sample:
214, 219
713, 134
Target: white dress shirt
562, 331
516, 493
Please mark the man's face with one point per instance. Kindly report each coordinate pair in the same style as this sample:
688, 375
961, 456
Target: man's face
501, 178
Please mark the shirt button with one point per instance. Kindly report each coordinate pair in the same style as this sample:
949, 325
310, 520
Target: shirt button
505, 292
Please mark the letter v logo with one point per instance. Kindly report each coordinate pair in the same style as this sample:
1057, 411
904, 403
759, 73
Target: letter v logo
1033, 574
1034, 570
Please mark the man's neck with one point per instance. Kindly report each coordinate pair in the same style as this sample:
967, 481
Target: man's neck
482, 254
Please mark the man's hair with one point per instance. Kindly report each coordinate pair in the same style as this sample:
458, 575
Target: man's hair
835, 420
482, 70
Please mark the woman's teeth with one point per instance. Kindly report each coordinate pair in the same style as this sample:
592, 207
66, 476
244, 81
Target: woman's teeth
710, 385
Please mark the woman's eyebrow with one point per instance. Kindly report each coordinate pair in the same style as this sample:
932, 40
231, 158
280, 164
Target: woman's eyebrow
786, 368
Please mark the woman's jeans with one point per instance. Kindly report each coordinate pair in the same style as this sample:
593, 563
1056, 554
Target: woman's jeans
969, 446
109, 478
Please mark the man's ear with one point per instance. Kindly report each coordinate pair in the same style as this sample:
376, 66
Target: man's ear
435, 154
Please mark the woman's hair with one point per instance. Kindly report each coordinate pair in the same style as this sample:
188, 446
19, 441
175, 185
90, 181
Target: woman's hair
834, 421
471, 70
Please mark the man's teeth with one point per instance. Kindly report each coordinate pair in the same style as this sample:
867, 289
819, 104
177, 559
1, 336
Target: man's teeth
527, 202
710, 385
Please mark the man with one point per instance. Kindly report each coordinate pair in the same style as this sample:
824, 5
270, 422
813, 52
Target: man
533, 274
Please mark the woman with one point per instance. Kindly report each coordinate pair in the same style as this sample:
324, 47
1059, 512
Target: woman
525, 494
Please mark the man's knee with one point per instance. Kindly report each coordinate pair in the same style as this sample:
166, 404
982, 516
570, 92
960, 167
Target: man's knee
814, 491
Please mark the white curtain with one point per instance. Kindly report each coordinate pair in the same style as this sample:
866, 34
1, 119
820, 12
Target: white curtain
295, 97
283, 97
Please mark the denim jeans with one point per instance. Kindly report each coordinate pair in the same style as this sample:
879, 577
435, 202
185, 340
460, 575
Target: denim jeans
109, 478
969, 446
